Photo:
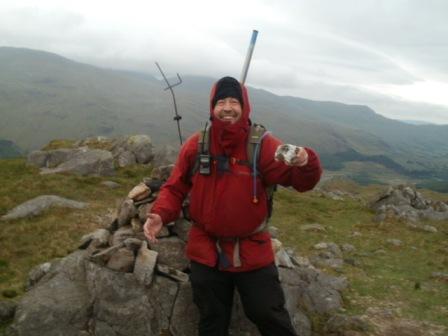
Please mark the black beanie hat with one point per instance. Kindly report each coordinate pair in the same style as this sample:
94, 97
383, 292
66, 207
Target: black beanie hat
228, 87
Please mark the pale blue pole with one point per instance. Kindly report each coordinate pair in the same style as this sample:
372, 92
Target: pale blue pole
249, 56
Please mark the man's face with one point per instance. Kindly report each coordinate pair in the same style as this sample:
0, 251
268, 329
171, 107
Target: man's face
228, 109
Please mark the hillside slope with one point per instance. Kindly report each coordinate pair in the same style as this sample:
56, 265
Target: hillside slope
44, 96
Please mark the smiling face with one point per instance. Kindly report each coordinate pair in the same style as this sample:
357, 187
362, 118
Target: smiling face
228, 109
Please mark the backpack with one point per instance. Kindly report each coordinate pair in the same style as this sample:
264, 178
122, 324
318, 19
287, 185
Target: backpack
254, 143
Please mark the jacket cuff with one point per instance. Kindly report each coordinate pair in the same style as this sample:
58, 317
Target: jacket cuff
163, 215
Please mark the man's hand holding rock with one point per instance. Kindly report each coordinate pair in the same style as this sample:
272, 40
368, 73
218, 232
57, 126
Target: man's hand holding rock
292, 155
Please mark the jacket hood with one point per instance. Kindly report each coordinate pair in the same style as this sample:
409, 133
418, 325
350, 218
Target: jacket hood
246, 104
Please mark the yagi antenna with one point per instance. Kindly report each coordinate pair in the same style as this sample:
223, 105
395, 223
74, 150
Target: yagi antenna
176, 117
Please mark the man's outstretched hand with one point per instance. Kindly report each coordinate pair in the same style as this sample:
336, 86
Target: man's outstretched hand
291, 155
152, 227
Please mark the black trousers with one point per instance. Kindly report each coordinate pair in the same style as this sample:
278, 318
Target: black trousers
261, 295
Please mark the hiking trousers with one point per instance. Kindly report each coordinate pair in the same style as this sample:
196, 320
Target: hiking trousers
261, 295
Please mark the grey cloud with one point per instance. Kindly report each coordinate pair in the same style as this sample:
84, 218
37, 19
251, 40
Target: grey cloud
321, 49
414, 31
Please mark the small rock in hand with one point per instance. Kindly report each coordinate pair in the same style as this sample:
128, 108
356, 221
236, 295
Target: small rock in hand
291, 155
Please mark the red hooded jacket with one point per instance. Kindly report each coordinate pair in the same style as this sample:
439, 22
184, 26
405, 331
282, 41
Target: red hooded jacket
221, 204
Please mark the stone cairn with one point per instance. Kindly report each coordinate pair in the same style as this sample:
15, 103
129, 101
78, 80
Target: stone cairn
117, 283
123, 247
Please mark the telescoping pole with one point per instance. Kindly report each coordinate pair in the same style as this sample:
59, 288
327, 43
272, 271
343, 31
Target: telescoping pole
253, 40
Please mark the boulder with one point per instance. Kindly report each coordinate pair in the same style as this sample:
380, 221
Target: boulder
59, 304
141, 146
185, 315
121, 306
36, 274
313, 228
37, 158
86, 162
39, 204
171, 252
122, 260
59, 156
126, 158
164, 303
145, 264
111, 184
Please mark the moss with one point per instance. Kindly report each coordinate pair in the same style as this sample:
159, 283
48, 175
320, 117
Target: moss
58, 144
9, 293
98, 143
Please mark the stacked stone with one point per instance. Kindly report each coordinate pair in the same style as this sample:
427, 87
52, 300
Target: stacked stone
123, 246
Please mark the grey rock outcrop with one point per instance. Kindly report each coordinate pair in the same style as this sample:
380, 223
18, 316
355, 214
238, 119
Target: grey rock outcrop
405, 203
137, 146
38, 158
171, 252
328, 255
50, 159
36, 274
86, 162
126, 158
60, 301
39, 204
94, 156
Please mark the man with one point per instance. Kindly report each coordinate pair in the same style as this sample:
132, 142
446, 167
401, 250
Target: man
228, 244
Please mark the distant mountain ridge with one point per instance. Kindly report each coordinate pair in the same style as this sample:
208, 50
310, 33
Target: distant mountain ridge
9, 149
416, 122
44, 96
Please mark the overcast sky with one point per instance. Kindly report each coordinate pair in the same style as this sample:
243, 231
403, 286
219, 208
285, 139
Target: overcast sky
389, 54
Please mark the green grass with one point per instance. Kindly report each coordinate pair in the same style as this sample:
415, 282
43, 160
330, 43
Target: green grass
400, 277
55, 233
